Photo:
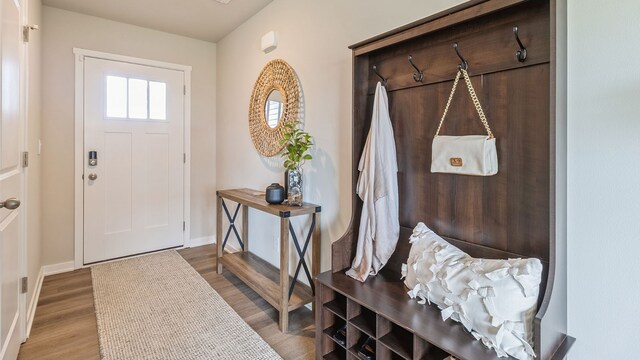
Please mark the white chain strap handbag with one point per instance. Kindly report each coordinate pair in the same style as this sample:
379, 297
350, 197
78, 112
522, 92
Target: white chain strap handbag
465, 155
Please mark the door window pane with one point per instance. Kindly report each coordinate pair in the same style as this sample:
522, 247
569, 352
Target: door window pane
129, 98
116, 97
157, 100
138, 99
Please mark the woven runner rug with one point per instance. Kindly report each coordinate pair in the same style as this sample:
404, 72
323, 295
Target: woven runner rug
159, 307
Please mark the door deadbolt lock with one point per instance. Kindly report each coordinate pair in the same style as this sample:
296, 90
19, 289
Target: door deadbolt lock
10, 204
93, 158
93, 177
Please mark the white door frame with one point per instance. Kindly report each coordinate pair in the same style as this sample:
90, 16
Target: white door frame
80, 54
24, 119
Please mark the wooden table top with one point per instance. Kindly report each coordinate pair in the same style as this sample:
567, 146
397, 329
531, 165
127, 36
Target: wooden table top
255, 199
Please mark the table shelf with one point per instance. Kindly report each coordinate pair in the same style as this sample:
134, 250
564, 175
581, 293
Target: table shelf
263, 278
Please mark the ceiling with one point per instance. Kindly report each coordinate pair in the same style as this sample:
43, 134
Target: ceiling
206, 20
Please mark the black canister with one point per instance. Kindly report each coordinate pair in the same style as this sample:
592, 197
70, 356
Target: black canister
274, 194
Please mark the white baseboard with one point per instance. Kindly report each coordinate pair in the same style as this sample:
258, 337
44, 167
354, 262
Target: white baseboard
230, 248
11, 346
208, 240
58, 268
205, 240
31, 312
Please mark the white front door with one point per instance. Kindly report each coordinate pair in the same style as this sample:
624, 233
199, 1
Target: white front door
133, 159
11, 182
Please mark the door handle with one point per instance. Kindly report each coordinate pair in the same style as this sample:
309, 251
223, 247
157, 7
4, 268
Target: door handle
93, 177
11, 204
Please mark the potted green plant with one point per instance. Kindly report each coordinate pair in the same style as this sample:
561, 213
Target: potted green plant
297, 144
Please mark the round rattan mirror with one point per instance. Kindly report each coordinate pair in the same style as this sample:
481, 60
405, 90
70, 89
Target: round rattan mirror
274, 102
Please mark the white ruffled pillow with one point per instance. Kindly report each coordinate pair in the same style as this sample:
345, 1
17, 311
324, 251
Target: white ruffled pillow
495, 300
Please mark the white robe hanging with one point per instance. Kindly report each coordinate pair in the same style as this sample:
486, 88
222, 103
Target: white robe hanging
378, 189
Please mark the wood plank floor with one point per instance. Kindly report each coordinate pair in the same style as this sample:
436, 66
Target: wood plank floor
65, 324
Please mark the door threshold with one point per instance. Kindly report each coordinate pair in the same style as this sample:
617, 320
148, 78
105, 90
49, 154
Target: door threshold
131, 256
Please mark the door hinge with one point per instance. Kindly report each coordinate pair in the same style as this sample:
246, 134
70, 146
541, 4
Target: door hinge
24, 285
184, 89
184, 158
25, 159
26, 30
184, 226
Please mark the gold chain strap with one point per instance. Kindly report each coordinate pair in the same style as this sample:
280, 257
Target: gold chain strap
446, 108
474, 98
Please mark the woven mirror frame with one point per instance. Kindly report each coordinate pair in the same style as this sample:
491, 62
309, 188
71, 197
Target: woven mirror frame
276, 75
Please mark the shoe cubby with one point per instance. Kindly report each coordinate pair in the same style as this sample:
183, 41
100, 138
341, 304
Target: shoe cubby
395, 338
390, 340
336, 354
362, 318
332, 348
423, 350
331, 331
383, 352
356, 340
338, 306
331, 315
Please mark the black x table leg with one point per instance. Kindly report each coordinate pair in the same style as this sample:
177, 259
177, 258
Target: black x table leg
232, 225
301, 262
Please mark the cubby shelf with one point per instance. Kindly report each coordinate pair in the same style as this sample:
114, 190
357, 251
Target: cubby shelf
356, 341
338, 307
359, 306
365, 323
332, 330
399, 344
354, 352
338, 354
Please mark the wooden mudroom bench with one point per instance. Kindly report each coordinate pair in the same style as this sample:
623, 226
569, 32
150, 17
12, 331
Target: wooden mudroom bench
403, 329
509, 50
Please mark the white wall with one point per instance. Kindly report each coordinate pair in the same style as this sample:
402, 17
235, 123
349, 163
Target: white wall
603, 147
62, 31
603, 178
312, 37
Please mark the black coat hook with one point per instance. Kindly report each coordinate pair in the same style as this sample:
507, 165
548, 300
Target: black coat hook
464, 64
419, 76
521, 54
384, 81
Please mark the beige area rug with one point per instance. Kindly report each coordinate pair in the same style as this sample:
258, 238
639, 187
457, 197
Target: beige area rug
159, 307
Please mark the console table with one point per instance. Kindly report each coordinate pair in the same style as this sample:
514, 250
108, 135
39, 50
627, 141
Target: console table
274, 285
